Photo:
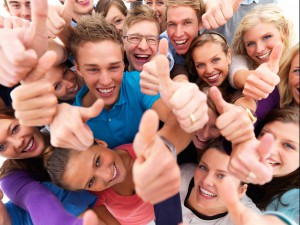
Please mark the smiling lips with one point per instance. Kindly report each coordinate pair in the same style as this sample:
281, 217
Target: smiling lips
115, 172
105, 91
206, 194
264, 57
272, 162
29, 146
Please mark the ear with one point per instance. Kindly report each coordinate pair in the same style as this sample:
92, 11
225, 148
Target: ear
200, 27
242, 190
100, 142
77, 68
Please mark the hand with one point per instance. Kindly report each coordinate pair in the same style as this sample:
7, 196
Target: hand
4, 216
234, 123
264, 79
68, 129
185, 99
239, 213
251, 157
154, 182
90, 218
217, 12
13, 22
35, 103
20, 48
149, 76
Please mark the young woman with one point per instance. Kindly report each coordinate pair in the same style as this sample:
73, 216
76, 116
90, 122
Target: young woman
289, 77
259, 39
282, 193
114, 12
107, 173
160, 10
200, 195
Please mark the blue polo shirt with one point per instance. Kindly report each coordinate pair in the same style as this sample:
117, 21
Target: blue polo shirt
119, 125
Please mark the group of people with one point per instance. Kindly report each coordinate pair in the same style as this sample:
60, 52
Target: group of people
167, 112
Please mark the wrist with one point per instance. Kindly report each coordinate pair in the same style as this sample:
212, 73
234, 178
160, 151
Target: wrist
170, 146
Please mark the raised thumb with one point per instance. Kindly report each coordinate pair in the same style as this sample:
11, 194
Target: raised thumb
92, 111
275, 56
163, 47
265, 146
216, 96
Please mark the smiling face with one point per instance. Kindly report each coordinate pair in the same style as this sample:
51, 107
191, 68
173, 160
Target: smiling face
65, 81
115, 17
83, 7
203, 137
19, 142
101, 66
285, 155
294, 76
260, 40
19, 8
211, 63
143, 52
182, 27
160, 10
103, 168
211, 169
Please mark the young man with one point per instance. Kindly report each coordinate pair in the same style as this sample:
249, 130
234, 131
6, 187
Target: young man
141, 36
18, 8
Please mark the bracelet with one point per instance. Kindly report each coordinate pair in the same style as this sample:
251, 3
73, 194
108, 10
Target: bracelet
170, 146
250, 114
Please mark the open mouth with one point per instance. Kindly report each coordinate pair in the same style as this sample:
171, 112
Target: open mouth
75, 90
115, 172
264, 56
105, 91
30, 146
180, 43
142, 57
272, 162
213, 78
206, 193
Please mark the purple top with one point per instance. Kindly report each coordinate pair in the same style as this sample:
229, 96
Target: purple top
33, 197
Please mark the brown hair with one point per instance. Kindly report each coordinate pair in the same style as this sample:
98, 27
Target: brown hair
7, 113
204, 38
104, 5
286, 97
197, 5
137, 14
263, 195
93, 29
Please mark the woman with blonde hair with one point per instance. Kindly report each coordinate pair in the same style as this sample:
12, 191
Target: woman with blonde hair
289, 77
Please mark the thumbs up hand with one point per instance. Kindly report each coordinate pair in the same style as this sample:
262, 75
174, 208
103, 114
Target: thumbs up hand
68, 129
149, 76
264, 79
248, 160
154, 182
233, 122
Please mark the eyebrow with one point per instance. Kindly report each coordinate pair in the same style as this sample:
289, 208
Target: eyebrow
96, 65
201, 162
93, 165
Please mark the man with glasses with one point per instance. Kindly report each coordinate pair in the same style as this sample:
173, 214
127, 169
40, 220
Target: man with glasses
141, 37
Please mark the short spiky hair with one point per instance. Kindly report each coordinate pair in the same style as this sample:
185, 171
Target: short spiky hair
137, 14
197, 5
93, 29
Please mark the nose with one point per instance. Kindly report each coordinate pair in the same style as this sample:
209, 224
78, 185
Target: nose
205, 132
143, 44
18, 143
179, 31
207, 180
260, 46
154, 7
105, 78
69, 84
25, 12
209, 68
104, 174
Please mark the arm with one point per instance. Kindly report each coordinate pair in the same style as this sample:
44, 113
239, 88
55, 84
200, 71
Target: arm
105, 216
4, 216
33, 197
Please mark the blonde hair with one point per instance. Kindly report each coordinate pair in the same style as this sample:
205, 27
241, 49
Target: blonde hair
93, 29
140, 13
103, 6
197, 5
269, 13
286, 97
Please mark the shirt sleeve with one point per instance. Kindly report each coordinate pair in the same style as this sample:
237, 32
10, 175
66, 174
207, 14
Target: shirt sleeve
238, 62
30, 195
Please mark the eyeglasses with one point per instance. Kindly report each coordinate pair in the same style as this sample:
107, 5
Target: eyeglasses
137, 38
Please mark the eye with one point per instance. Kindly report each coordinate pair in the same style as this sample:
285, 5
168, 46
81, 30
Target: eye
250, 44
148, 3
17, 6
118, 21
297, 70
97, 163
267, 37
202, 167
57, 86
15, 129
2, 147
152, 40
187, 22
220, 176
214, 127
215, 60
171, 24
160, 3
91, 182
288, 145
93, 70
200, 66
65, 72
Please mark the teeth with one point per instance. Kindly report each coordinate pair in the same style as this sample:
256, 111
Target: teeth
115, 172
29, 146
272, 162
200, 139
105, 91
213, 77
205, 192
75, 88
180, 42
263, 56
142, 56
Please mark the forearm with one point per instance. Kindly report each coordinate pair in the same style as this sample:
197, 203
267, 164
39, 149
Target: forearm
43, 207
58, 47
247, 103
240, 77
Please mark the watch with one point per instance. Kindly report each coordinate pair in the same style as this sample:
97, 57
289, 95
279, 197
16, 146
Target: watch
170, 146
251, 115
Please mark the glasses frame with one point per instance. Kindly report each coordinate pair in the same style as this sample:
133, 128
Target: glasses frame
141, 37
